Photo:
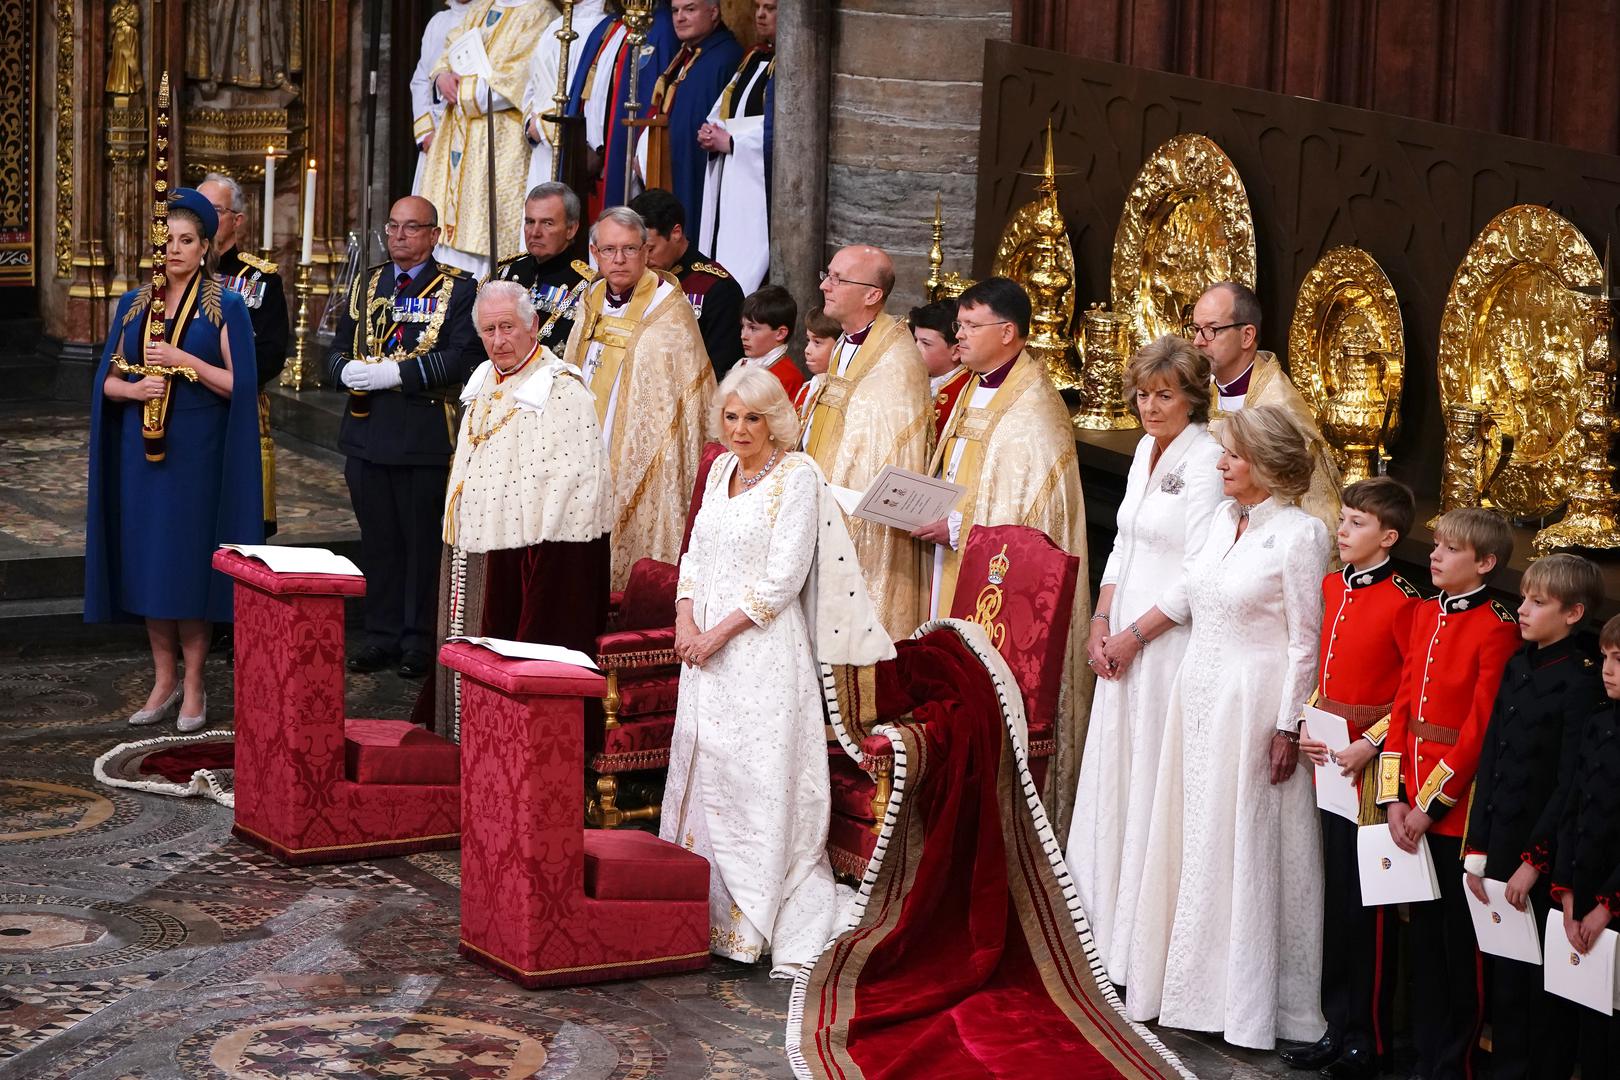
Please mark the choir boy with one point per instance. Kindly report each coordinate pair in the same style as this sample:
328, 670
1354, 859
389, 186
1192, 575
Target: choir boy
1586, 860
1549, 688
1369, 612
820, 338
768, 315
1461, 640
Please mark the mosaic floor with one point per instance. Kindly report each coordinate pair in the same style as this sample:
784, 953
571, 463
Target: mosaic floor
43, 473
138, 940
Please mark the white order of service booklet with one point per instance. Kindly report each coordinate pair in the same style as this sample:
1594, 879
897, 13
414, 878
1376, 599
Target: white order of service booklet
1584, 978
1390, 875
1502, 929
1335, 792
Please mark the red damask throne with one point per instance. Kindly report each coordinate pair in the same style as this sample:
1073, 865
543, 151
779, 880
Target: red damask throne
1019, 586
314, 786
629, 731
544, 900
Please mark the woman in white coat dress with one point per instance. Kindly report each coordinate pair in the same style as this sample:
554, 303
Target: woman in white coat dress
1228, 933
1172, 491
769, 587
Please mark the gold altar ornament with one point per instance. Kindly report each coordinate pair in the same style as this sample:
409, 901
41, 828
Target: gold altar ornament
1513, 343
1105, 347
940, 284
1035, 252
1186, 226
1593, 518
1346, 353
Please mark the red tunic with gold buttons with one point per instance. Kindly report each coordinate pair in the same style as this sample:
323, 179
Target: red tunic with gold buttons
1459, 648
945, 398
1366, 629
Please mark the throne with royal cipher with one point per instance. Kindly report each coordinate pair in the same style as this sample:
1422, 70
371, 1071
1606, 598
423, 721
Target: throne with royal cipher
314, 785
629, 730
1019, 586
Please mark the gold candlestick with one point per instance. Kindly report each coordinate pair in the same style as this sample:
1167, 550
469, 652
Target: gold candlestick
294, 376
559, 99
1593, 518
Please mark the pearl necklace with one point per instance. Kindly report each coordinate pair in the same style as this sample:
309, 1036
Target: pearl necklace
750, 481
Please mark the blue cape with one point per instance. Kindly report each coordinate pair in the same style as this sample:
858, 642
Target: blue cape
717, 62
237, 507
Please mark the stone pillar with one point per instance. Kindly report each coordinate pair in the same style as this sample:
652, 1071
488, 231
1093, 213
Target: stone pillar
799, 179
906, 87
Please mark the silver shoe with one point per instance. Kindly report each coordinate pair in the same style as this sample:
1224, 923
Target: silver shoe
188, 724
142, 717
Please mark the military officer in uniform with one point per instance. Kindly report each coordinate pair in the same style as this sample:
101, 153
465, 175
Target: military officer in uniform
259, 284
405, 343
554, 278
715, 296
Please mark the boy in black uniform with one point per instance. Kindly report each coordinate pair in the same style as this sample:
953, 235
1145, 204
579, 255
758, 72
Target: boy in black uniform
404, 344
1586, 855
1551, 684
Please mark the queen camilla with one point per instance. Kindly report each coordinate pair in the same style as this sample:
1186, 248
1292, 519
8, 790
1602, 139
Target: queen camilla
768, 587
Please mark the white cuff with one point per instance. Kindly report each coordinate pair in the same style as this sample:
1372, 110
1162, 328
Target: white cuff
954, 520
1474, 864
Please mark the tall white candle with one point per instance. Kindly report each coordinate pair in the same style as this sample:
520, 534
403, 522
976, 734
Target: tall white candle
267, 235
308, 254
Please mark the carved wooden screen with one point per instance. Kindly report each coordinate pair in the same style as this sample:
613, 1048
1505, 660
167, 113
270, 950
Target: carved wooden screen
1413, 194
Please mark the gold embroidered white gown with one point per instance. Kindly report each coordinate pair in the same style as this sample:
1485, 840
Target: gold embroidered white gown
748, 787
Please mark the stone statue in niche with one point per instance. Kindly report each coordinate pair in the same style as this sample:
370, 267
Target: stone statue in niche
124, 63
249, 43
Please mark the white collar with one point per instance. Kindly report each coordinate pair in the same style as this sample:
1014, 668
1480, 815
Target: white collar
767, 360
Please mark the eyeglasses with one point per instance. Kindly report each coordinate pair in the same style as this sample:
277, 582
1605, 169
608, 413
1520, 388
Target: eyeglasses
835, 280
405, 228
958, 327
613, 254
1209, 333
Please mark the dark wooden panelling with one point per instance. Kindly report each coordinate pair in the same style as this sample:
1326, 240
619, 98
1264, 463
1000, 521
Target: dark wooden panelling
1547, 69
1411, 193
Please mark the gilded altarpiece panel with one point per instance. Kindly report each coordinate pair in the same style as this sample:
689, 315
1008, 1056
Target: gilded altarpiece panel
1412, 194
18, 74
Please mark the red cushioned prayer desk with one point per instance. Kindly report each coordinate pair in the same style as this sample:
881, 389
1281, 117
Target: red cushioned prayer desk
313, 786
544, 901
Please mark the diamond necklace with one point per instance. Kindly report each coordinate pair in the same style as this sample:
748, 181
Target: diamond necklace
750, 481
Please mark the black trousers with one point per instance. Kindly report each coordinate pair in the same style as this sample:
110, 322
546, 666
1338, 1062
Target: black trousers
400, 509
1447, 973
1533, 1032
1359, 948
1599, 1042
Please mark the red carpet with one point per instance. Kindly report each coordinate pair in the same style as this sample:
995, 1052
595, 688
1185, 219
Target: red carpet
970, 958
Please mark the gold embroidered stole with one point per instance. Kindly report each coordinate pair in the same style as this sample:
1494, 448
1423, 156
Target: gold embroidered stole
827, 415
613, 333
728, 96
973, 428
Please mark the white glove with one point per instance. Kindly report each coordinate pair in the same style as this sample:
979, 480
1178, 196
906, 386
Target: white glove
371, 377
384, 376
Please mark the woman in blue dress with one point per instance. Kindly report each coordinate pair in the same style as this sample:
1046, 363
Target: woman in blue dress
163, 496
